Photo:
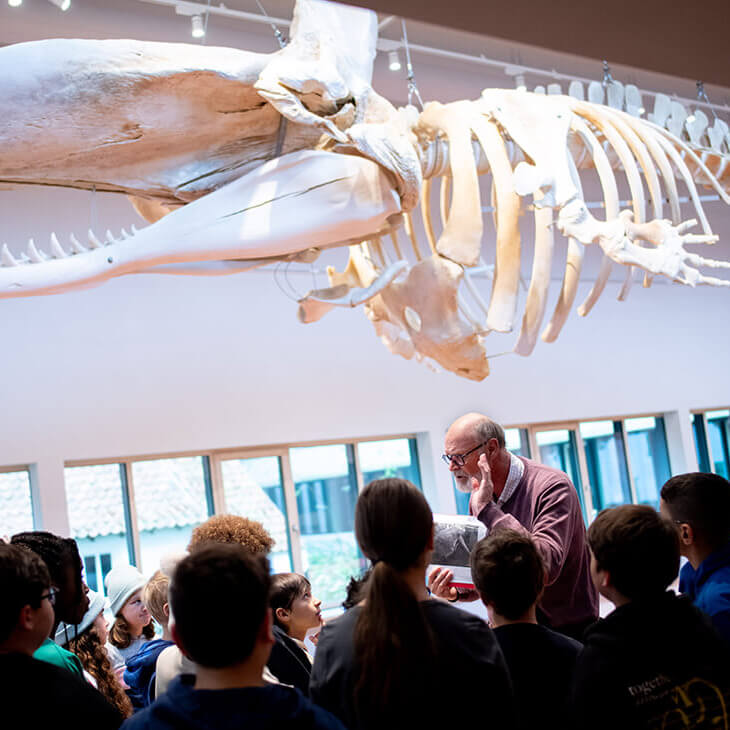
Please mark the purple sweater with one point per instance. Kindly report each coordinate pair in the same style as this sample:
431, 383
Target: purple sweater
545, 506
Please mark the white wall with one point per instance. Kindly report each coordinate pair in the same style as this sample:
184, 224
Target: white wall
153, 364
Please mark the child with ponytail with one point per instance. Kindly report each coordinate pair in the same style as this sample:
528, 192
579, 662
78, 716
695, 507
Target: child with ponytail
402, 658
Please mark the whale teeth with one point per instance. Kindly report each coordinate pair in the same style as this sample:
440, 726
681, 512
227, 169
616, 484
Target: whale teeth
6, 257
94, 242
56, 249
34, 254
76, 247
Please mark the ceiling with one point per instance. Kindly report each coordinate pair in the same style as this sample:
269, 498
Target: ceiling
686, 39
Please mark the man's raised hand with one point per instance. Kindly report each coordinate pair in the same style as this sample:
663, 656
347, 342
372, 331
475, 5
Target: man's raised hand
482, 491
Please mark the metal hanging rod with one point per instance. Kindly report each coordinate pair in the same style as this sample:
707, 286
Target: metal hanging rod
184, 7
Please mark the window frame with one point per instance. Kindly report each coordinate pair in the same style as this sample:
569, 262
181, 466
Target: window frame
32, 494
215, 493
702, 413
574, 424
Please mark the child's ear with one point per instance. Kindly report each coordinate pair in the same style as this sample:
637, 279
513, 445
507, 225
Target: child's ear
166, 610
686, 534
26, 617
282, 615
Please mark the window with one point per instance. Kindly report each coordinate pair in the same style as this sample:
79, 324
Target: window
608, 473
16, 508
325, 484
712, 440
96, 499
389, 458
138, 510
90, 577
516, 441
171, 497
253, 488
647, 446
559, 448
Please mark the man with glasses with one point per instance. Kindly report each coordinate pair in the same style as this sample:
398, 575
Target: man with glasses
35, 693
512, 492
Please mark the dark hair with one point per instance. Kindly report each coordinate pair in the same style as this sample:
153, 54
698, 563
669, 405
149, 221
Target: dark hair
95, 660
638, 548
508, 571
58, 553
393, 640
219, 574
355, 590
285, 589
702, 500
120, 634
233, 529
23, 577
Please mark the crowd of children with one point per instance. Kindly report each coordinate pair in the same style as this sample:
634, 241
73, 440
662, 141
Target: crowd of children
212, 640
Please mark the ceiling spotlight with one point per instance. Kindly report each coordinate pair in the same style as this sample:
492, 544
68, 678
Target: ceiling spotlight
63, 5
394, 61
198, 30
520, 82
15, 3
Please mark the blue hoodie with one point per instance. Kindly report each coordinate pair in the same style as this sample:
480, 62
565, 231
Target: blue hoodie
256, 708
140, 673
709, 588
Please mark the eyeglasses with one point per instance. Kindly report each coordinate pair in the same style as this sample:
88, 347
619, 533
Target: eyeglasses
460, 459
51, 595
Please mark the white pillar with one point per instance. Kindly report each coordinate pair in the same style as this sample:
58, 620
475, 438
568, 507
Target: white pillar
48, 495
680, 442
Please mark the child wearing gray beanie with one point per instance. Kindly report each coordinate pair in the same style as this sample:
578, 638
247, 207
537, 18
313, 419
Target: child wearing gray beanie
132, 625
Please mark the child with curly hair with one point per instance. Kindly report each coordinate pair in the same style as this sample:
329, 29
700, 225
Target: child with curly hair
227, 529
87, 640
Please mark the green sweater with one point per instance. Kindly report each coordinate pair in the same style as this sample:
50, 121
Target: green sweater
49, 651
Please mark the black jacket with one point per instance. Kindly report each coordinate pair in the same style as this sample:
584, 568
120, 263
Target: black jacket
288, 662
652, 664
541, 663
272, 707
35, 694
466, 684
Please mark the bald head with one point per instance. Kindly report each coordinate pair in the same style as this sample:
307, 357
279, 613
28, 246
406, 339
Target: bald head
478, 427
472, 435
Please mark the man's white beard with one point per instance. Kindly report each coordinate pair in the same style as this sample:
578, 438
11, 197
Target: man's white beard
463, 484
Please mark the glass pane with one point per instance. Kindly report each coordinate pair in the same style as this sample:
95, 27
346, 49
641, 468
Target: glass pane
96, 517
170, 497
558, 449
16, 511
326, 492
718, 432
606, 462
647, 444
253, 488
390, 458
517, 442
700, 436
